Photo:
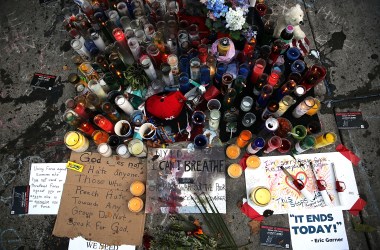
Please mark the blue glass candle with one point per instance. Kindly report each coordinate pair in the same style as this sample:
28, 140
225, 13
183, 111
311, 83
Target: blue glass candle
298, 66
200, 141
205, 76
293, 54
243, 70
184, 84
91, 47
264, 96
184, 64
220, 70
256, 145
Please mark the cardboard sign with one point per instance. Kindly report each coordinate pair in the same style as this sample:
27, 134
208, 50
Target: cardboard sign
46, 183
95, 202
43, 81
82, 244
174, 175
285, 196
275, 236
318, 229
350, 120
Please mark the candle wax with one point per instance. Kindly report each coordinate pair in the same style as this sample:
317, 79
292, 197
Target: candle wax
261, 196
253, 161
233, 151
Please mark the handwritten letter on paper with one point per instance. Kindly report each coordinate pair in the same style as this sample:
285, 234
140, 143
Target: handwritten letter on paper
46, 184
95, 202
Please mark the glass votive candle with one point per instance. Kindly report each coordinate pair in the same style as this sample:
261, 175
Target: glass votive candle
315, 108
135, 204
249, 119
76, 141
255, 146
285, 146
104, 149
299, 132
298, 66
313, 127
195, 65
243, 138
122, 151
200, 141
303, 107
234, 170
272, 144
284, 127
325, 139
261, 196
227, 79
253, 161
198, 118
214, 104
246, 103
258, 69
100, 136
232, 151
214, 119
113, 141
137, 188
137, 148
229, 98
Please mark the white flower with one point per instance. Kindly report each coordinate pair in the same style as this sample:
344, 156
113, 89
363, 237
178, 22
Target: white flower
235, 19
203, 1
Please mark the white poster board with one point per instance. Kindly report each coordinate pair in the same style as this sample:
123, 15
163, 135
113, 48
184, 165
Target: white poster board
80, 243
285, 196
46, 185
318, 229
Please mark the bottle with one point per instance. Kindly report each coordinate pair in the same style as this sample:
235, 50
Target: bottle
287, 34
303, 145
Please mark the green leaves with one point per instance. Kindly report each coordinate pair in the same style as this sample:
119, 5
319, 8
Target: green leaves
236, 34
136, 78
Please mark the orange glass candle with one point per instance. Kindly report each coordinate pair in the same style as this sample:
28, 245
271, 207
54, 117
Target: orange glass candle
253, 161
100, 136
243, 138
135, 204
233, 151
137, 188
234, 170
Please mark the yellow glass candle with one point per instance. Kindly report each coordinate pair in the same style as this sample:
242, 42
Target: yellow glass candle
325, 139
223, 46
135, 204
253, 161
76, 141
233, 151
315, 108
137, 188
234, 170
261, 196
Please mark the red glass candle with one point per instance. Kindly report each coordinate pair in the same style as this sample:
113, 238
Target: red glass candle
80, 109
203, 53
272, 144
313, 76
155, 54
86, 128
273, 78
104, 124
258, 69
276, 50
249, 47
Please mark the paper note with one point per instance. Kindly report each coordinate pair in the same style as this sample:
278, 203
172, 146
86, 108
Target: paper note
46, 184
79, 243
317, 229
285, 195
95, 201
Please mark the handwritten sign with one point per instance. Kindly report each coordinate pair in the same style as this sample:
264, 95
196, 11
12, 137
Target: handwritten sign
317, 229
175, 175
80, 243
46, 183
286, 196
95, 201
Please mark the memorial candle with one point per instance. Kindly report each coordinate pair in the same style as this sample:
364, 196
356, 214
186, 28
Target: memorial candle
86, 128
303, 107
124, 104
137, 188
258, 70
253, 161
233, 151
284, 105
123, 49
234, 170
272, 144
104, 123
95, 87
313, 76
105, 150
76, 141
325, 139
135, 204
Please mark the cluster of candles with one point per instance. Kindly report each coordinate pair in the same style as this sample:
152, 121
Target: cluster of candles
110, 36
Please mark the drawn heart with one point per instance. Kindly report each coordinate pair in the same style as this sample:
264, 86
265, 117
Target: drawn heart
300, 176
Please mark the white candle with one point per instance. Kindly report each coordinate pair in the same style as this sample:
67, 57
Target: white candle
105, 150
124, 104
122, 151
284, 105
97, 89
